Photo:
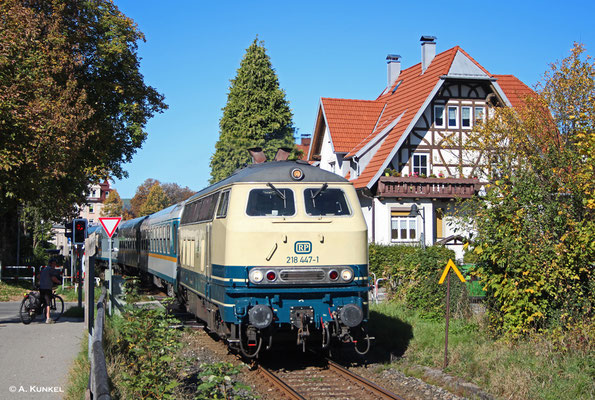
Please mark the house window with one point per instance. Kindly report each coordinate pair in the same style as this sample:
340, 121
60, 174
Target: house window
466, 117
420, 164
403, 226
439, 116
479, 114
453, 118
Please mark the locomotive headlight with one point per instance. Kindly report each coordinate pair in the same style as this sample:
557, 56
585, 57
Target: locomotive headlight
347, 275
297, 174
256, 276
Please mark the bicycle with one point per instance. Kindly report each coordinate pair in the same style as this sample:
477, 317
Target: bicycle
32, 305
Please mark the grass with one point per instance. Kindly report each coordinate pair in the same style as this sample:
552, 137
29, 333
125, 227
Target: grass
71, 294
14, 290
533, 368
78, 375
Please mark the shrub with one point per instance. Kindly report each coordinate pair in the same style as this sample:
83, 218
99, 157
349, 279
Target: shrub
414, 273
217, 382
147, 352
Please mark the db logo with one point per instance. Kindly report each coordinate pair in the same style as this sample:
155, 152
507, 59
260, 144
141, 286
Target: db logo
303, 247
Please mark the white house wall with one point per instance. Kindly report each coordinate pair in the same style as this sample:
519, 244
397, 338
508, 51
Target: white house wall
328, 158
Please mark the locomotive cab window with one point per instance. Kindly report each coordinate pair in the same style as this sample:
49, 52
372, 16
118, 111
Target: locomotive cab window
273, 202
223, 201
324, 201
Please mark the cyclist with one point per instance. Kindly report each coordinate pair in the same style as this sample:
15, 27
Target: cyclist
47, 278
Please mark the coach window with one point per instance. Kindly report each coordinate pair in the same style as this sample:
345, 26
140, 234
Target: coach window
223, 202
322, 201
273, 202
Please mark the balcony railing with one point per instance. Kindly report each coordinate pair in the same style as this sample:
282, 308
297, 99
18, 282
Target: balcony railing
444, 188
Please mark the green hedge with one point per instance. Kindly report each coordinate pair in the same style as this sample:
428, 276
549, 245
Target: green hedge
414, 273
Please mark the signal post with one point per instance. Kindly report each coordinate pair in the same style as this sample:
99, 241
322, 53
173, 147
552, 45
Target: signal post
109, 226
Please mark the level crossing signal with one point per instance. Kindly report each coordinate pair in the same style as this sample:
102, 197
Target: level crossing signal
79, 231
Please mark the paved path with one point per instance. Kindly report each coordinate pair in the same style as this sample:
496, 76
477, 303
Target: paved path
35, 359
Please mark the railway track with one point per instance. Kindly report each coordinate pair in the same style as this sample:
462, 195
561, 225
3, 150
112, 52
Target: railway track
307, 376
327, 381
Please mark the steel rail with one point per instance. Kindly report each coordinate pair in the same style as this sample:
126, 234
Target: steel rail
360, 379
275, 380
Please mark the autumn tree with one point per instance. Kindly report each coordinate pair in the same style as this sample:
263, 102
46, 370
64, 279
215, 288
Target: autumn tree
175, 193
256, 115
535, 227
141, 195
73, 103
113, 205
156, 201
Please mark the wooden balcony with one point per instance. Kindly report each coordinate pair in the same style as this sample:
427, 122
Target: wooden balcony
435, 188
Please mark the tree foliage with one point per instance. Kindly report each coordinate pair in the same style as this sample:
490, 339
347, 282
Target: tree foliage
156, 200
113, 205
256, 115
140, 197
73, 104
536, 233
173, 192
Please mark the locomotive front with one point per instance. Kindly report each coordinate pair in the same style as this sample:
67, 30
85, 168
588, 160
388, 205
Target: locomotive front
291, 256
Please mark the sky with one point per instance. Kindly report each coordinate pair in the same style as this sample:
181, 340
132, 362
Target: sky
318, 49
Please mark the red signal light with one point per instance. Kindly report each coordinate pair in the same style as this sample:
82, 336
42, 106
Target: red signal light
79, 231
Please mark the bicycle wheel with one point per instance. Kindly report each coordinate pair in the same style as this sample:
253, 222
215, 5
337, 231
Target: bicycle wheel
57, 307
27, 315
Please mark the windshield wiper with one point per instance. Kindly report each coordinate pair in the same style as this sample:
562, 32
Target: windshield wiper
322, 189
277, 191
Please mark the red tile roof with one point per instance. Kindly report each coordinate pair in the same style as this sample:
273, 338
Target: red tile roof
304, 150
407, 99
354, 123
350, 121
513, 88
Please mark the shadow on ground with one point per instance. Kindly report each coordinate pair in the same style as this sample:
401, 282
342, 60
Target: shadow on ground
392, 337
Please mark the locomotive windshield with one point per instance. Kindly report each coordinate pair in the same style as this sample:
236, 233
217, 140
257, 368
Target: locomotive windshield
324, 201
270, 202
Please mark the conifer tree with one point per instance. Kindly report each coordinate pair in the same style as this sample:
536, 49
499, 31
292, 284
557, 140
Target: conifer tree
256, 115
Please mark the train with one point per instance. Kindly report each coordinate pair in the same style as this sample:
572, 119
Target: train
277, 249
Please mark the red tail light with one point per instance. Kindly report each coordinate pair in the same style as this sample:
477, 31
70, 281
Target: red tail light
333, 275
271, 275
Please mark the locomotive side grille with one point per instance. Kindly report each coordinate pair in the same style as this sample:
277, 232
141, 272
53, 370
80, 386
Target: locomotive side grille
302, 275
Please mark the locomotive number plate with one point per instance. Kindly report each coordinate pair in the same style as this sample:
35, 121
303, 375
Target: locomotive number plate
302, 260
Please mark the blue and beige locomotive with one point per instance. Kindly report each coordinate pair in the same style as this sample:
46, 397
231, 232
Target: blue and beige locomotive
277, 248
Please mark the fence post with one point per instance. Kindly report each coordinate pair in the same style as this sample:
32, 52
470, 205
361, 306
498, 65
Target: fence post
98, 378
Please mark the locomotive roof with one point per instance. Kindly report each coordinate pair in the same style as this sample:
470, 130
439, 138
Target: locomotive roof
274, 172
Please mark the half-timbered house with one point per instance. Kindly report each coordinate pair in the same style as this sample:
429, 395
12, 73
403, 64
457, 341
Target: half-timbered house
405, 151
